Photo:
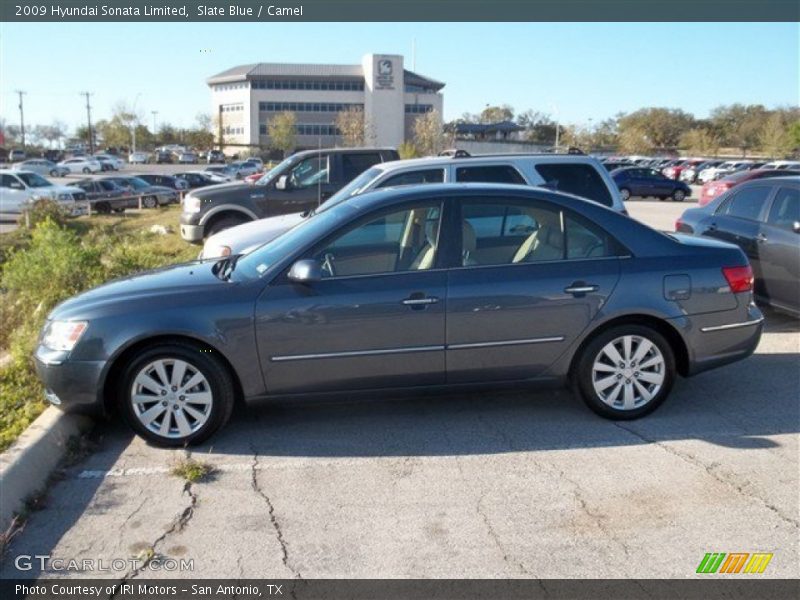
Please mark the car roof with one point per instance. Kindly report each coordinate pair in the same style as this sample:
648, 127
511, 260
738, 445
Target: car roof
304, 153
436, 161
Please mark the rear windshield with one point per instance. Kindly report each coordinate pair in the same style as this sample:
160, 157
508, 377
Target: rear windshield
579, 179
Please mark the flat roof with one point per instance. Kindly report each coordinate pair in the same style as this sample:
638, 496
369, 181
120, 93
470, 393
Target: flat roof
258, 70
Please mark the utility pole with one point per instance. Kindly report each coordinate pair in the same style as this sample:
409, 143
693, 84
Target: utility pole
89, 121
154, 113
21, 93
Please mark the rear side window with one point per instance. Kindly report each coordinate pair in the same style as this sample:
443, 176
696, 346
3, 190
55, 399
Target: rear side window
489, 174
414, 177
578, 179
785, 211
356, 163
747, 203
586, 240
108, 186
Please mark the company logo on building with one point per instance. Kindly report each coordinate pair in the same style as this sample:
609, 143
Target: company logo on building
734, 562
384, 76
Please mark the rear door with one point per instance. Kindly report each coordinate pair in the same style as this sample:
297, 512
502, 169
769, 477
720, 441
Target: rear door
779, 248
531, 278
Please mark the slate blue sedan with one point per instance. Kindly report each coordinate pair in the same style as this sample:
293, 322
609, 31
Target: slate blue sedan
643, 182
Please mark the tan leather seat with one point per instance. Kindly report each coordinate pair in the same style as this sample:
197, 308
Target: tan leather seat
546, 243
469, 244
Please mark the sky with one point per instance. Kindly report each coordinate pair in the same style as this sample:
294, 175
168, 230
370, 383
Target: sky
579, 73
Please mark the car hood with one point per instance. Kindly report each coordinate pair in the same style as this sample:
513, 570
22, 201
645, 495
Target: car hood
176, 281
231, 189
244, 237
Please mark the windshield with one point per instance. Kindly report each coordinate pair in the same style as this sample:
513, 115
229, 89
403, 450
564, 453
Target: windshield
136, 183
33, 180
274, 171
256, 263
354, 188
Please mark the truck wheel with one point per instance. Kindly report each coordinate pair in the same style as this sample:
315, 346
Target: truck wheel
223, 223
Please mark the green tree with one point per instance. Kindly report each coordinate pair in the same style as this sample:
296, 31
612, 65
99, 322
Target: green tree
653, 129
700, 140
496, 114
352, 127
794, 134
428, 134
740, 125
775, 140
281, 129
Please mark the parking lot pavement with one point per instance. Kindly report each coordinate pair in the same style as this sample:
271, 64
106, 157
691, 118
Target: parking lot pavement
522, 484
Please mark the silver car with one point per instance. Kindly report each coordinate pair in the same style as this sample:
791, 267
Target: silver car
41, 166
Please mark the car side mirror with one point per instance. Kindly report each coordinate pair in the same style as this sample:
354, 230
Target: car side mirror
305, 271
282, 183
796, 226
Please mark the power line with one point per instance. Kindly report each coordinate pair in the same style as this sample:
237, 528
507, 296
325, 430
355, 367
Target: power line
21, 93
89, 121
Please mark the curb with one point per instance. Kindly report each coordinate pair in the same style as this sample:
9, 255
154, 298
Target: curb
27, 465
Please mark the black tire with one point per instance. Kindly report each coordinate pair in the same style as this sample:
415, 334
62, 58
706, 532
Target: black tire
87, 170
584, 371
102, 208
149, 202
53, 173
625, 194
678, 195
223, 223
205, 362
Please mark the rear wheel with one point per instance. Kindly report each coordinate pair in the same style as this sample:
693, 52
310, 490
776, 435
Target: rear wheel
223, 223
87, 170
54, 173
103, 208
626, 372
149, 202
678, 195
625, 194
175, 394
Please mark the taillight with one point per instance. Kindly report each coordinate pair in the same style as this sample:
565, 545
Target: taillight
740, 279
678, 224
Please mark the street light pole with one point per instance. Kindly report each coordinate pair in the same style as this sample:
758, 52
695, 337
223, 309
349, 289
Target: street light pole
154, 113
135, 100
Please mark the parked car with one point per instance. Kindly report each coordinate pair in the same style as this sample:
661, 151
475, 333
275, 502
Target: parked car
643, 182
139, 158
568, 282
152, 195
106, 195
215, 156
16, 155
612, 165
716, 188
20, 189
254, 160
763, 218
41, 166
675, 171
241, 169
579, 175
53, 155
299, 183
163, 157
689, 175
187, 158
173, 182
114, 163
253, 178
722, 170
81, 164
198, 179
218, 172
783, 165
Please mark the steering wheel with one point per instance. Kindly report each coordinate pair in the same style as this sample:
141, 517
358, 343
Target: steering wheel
327, 265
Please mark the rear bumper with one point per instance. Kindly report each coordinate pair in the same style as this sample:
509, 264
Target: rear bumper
716, 339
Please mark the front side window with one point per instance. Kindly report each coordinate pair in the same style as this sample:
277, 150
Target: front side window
578, 179
311, 171
489, 174
403, 240
747, 203
33, 180
785, 211
414, 178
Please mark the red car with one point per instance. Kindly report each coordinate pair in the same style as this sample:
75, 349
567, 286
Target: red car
712, 189
254, 177
674, 171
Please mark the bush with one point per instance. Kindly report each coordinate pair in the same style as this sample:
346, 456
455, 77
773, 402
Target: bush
42, 210
407, 150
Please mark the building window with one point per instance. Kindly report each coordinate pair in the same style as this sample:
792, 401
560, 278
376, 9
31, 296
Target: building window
262, 129
418, 109
307, 106
316, 129
309, 84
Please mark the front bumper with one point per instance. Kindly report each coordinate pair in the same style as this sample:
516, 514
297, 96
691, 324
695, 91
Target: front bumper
73, 386
191, 233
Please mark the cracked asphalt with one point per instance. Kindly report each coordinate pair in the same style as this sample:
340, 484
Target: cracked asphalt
511, 484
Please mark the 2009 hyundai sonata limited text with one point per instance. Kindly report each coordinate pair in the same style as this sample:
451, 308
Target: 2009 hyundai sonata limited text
427, 287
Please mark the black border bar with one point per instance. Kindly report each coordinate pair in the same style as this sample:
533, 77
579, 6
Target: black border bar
407, 10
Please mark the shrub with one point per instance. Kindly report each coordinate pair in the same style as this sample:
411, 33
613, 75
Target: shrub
407, 150
44, 209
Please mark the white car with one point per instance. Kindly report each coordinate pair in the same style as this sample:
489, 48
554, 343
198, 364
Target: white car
217, 173
713, 173
138, 158
82, 164
115, 162
20, 189
783, 165
42, 166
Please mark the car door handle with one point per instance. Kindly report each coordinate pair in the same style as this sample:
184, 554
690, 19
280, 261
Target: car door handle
580, 288
420, 300
761, 238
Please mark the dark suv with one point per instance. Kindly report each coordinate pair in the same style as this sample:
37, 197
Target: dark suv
301, 182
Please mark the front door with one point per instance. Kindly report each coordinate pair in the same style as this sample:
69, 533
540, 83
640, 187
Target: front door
305, 186
779, 249
532, 278
376, 319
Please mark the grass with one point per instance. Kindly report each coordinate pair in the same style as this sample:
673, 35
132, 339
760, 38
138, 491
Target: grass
191, 470
59, 258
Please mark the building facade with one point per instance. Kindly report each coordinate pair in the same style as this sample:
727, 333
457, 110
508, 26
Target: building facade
246, 97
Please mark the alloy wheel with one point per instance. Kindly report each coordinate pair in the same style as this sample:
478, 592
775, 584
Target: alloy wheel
628, 372
171, 398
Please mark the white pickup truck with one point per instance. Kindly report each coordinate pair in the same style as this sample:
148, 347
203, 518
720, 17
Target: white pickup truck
19, 189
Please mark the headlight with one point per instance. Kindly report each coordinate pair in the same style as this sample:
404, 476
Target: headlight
191, 204
63, 335
216, 251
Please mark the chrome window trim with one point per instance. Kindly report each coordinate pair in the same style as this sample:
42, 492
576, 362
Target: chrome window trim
731, 326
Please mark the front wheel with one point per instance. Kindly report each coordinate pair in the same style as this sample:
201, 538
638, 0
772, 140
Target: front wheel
626, 372
625, 194
53, 173
678, 195
149, 202
176, 394
87, 170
